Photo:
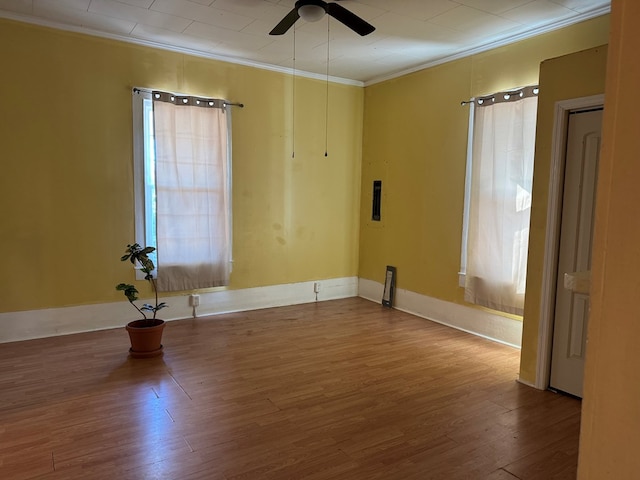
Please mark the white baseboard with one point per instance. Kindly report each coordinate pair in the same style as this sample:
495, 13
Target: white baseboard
15, 326
472, 320
50, 322
529, 384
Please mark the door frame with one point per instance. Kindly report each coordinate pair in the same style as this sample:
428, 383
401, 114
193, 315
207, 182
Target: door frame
552, 239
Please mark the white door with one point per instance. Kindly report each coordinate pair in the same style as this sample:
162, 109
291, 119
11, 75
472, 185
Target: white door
574, 258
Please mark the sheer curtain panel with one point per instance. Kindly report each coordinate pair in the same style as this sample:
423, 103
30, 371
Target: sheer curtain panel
193, 192
500, 200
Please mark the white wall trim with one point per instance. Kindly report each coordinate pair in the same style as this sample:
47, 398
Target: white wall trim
583, 16
175, 48
524, 382
471, 320
15, 326
594, 13
26, 325
554, 209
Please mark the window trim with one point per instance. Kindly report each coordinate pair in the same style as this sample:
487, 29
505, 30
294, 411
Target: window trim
138, 97
462, 274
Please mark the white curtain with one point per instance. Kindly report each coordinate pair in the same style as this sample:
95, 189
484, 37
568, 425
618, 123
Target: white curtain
500, 204
192, 191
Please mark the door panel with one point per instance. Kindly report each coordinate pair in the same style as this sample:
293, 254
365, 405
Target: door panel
576, 235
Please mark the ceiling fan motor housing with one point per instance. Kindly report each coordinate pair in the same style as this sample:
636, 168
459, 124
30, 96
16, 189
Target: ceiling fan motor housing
311, 10
314, 10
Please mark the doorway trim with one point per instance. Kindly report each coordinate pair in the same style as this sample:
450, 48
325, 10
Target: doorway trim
552, 238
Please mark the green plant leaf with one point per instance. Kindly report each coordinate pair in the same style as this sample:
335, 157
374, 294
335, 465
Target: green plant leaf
129, 290
138, 255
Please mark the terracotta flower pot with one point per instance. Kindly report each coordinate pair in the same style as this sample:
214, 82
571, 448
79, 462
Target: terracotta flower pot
146, 338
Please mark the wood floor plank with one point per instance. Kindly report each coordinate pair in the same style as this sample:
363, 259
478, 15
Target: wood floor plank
501, 475
334, 390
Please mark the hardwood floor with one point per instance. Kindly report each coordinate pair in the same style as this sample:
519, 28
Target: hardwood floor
335, 390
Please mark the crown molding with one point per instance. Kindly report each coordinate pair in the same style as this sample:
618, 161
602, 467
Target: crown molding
187, 51
597, 12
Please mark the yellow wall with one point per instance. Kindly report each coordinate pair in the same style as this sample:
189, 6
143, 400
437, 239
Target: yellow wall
610, 436
415, 139
66, 184
66, 193
576, 75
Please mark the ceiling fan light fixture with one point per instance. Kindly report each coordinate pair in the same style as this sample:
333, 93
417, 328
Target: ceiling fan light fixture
314, 10
311, 13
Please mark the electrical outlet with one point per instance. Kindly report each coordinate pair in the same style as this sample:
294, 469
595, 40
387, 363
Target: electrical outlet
194, 300
316, 287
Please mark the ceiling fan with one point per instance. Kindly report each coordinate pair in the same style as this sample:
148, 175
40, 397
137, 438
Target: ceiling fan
314, 10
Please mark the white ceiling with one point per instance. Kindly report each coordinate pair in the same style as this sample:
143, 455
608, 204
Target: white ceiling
410, 34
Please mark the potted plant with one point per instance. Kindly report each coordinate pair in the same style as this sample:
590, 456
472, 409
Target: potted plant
146, 333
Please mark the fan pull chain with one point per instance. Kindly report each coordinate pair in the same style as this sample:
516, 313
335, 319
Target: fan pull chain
326, 106
293, 101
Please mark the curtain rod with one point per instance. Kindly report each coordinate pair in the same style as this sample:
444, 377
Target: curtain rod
225, 102
507, 96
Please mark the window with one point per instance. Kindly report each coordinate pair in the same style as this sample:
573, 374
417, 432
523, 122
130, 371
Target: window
182, 174
498, 199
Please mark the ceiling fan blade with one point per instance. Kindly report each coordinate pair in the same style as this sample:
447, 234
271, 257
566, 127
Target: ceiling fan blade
350, 19
286, 23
